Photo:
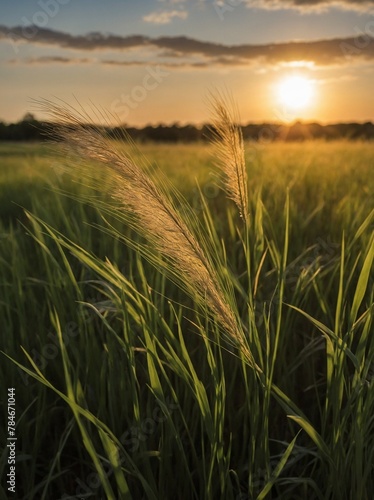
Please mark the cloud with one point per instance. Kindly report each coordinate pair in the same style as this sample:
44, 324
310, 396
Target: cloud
91, 41
172, 65
219, 61
165, 17
172, 2
51, 60
33, 61
320, 52
308, 5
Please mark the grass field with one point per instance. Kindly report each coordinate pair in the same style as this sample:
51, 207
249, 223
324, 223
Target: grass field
126, 386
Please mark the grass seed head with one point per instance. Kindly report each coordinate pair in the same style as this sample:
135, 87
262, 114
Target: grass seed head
229, 148
158, 219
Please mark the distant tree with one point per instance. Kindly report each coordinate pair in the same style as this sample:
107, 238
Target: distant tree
30, 129
28, 117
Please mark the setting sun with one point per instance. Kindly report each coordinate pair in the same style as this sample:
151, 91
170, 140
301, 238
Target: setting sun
295, 92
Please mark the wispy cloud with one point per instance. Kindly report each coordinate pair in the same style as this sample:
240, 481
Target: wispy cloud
169, 65
312, 5
182, 49
165, 17
172, 2
90, 41
52, 60
46, 60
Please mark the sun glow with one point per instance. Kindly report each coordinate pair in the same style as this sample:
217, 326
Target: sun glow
296, 92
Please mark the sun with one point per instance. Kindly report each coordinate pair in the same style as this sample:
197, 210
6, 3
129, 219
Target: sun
296, 92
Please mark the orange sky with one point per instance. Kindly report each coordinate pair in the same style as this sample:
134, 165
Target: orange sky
155, 61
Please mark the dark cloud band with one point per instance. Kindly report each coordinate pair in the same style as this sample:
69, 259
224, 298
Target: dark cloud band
321, 52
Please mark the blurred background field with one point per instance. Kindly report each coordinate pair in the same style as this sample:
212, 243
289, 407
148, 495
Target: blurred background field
330, 177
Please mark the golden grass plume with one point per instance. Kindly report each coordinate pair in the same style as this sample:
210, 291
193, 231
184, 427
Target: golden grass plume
160, 222
229, 148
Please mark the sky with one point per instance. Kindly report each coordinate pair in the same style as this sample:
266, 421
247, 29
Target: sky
156, 61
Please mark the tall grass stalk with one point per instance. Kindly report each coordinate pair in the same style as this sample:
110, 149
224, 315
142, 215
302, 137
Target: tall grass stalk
159, 220
229, 150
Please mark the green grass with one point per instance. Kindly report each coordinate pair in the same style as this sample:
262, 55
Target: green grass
127, 389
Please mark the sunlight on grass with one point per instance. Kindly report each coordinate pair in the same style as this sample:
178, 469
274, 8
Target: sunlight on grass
125, 378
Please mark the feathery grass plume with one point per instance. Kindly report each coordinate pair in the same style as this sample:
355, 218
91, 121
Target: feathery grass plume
157, 219
229, 147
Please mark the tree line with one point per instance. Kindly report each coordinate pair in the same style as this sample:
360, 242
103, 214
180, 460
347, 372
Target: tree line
30, 129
